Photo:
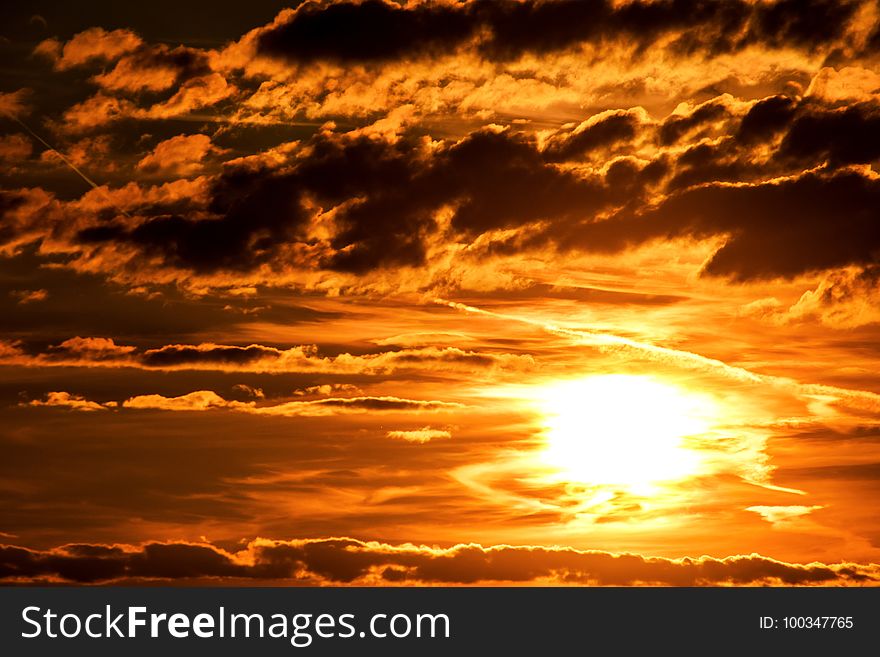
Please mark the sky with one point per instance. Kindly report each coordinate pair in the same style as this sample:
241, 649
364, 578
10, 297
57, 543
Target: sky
364, 293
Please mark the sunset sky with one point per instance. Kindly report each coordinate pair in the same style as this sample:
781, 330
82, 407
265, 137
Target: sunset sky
440, 292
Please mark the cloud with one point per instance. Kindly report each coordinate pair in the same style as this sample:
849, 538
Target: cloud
397, 201
845, 83
201, 400
249, 391
331, 405
378, 31
15, 103
326, 389
367, 31
30, 296
495, 181
104, 352
349, 561
89, 349
154, 68
66, 400
423, 435
601, 130
96, 111
103, 108
208, 400
765, 118
182, 155
847, 135
195, 93
846, 298
678, 125
777, 229
93, 44
10, 349
782, 514
204, 400
15, 147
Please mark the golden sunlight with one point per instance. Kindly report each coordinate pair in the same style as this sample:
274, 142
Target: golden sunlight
623, 430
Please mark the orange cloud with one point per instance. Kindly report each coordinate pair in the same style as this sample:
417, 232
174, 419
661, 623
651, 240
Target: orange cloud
15, 147
66, 400
96, 111
14, 103
93, 44
204, 400
30, 296
182, 155
423, 435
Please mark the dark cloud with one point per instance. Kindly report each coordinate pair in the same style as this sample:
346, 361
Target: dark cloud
708, 162
607, 130
374, 30
386, 193
379, 403
152, 21
791, 23
256, 211
344, 561
503, 182
94, 563
368, 31
765, 118
178, 355
496, 180
102, 352
675, 127
775, 229
849, 135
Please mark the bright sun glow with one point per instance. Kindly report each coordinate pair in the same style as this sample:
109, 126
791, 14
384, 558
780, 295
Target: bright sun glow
622, 430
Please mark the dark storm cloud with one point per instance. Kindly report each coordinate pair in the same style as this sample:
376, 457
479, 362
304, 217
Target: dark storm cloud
106, 353
368, 31
343, 561
793, 23
848, 135
801, 134
775, 229
708, 162
607, 130
386, 193
765, 118
496, 180
93, 563
379, 403
675, 127
178, 355
504, 183
374, 30
257, 210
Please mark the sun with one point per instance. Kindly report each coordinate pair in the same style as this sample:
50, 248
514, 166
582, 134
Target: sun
622, 430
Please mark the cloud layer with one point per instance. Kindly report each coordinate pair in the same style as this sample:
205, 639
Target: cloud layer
348, 561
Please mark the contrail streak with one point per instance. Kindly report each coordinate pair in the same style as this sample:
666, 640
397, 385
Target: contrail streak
70, 164
858, 398
55, 150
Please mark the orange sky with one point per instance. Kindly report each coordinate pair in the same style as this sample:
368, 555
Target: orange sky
441, 292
